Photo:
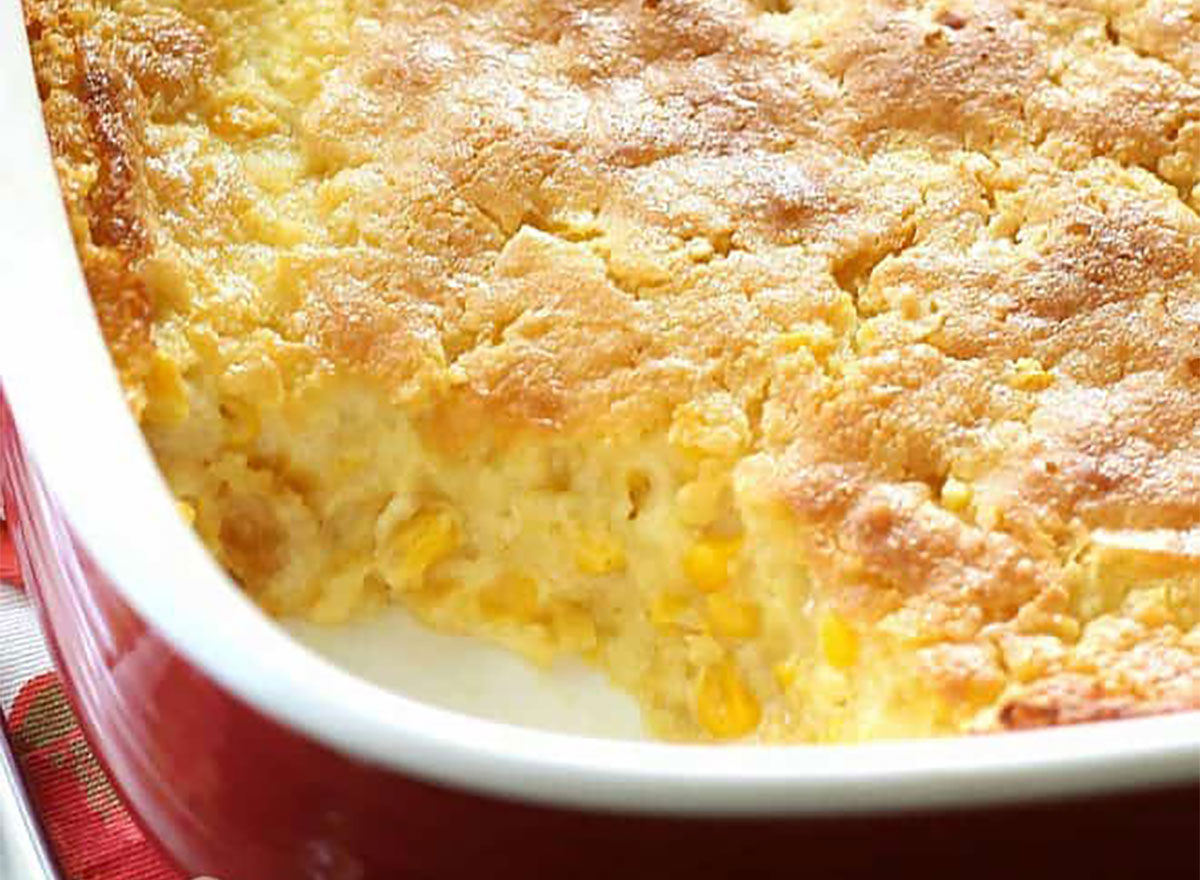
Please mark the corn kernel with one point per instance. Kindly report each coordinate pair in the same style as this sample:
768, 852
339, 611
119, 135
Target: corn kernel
599, 554
956, 494
725, 706
839, 642
1029, 375
187, 511
510, 597
785, 674
574, 627
667, 608
698, 503
817, 338
167, 400
732, 617
706, 563
866, 335
424, 540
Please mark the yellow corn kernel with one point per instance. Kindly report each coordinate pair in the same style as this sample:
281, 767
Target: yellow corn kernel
424, 540
166, 396
817, 338
866, 335
725, 705
839, 642
599, 553
956, 494
574, 627
579, 224
510, 597
187, 511
731, 617
667, 608
707, 562
785, 673
698, 503
1029, 375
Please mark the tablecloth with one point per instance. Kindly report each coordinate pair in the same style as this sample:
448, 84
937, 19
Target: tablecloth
90, 831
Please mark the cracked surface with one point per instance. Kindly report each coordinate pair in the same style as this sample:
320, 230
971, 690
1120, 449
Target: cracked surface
905, 294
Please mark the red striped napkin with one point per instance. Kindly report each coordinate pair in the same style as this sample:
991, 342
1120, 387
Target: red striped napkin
89, 829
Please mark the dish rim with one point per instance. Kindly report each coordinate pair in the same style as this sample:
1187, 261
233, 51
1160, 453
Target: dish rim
55, 389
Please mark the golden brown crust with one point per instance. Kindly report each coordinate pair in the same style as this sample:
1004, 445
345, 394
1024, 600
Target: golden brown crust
99, 76
942, 259
1121, 670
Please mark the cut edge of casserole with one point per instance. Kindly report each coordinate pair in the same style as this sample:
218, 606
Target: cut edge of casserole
822, 371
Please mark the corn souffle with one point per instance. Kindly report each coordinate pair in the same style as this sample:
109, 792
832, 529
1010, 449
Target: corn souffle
822, 370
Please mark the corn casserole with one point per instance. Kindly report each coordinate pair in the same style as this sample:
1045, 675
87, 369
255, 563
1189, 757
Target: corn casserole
822, 370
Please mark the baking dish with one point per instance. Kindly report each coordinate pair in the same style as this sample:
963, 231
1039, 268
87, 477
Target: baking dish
250, 758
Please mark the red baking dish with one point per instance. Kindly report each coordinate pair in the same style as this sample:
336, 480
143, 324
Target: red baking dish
249, 757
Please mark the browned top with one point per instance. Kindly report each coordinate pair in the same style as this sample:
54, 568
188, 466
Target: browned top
923, 246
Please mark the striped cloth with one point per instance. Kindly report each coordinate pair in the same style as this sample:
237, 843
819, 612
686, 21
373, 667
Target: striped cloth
90, 831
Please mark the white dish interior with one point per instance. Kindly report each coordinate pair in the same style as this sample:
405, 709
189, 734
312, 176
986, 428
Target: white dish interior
465, 675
